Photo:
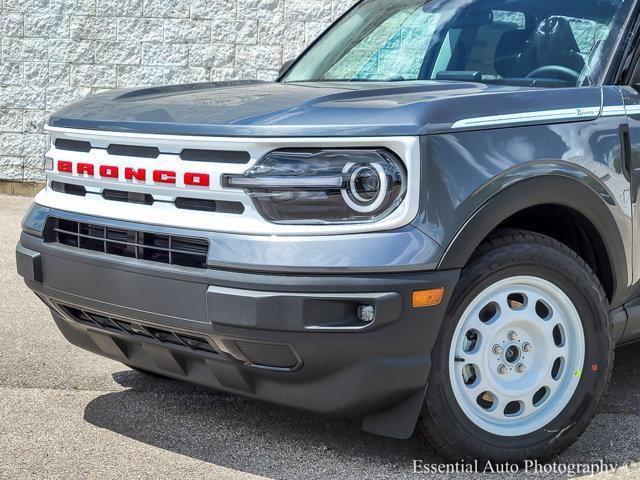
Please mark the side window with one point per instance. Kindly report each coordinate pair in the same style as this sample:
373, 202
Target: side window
394, 50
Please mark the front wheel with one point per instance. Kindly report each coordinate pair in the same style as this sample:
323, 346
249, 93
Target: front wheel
524, 354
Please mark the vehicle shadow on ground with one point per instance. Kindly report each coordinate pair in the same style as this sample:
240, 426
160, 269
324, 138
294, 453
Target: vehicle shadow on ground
276, 442
242, 434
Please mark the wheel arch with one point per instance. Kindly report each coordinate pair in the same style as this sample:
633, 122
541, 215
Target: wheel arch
575, 191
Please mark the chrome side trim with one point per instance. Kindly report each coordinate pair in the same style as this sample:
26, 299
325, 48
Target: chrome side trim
633, 109
524, 117
614, 111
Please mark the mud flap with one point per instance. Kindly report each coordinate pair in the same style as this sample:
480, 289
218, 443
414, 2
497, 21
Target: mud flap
398, 421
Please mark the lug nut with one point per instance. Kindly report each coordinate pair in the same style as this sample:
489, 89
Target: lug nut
520, 368
497, 349
502, 369
526, 347
512, 335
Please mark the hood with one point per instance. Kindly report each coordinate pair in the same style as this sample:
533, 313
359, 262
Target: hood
267, 109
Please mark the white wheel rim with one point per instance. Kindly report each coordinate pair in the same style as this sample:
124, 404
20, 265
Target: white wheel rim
526, 360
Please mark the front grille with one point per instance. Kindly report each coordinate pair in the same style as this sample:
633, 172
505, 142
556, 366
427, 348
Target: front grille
133, 151
153, 247
215, 156
112, 324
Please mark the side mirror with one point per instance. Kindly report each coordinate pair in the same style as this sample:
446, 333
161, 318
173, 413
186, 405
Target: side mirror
285, 66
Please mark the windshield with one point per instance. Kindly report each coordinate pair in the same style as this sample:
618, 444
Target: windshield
510, 42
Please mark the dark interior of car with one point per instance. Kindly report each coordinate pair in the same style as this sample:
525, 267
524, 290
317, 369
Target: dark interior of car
542, 51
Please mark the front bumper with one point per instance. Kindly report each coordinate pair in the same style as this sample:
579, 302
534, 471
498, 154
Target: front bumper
288, 339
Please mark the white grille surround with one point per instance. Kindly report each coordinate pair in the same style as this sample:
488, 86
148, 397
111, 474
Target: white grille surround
164, 213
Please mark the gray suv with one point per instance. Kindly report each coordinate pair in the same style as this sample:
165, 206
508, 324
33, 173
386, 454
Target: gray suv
427, 222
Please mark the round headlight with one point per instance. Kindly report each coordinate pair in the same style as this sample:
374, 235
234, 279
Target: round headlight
322, 186
367, 186
364, 184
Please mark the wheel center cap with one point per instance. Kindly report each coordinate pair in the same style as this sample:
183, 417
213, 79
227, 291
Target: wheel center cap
512, 354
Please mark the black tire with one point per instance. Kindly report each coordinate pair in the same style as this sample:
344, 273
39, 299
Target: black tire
445, 426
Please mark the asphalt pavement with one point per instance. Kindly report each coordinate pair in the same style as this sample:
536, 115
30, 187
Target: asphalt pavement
66, 413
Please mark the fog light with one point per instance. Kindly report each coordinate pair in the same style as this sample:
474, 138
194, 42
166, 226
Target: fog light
366, 313
427, 298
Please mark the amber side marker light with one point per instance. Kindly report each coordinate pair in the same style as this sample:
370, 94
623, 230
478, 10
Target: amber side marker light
427, 298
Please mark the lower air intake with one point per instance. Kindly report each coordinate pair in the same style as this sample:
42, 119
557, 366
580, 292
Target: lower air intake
271, 355
126, 327
153, 247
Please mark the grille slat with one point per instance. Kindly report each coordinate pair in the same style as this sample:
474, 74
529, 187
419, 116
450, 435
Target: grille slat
72, 145
133, 151
68, 188
232, 157
183, 251
205, 205
128, 197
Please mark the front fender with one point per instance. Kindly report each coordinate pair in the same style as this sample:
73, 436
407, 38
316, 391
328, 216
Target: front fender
545, 183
